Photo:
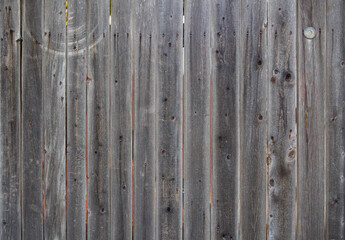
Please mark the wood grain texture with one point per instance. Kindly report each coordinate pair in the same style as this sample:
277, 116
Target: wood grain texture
253, 118
76, 118
32, 121
145, 136
311, 125
54, 118
197, 121
282, 125
97, 120
121, 118
10, 44
169, 120
225, 116
335, 117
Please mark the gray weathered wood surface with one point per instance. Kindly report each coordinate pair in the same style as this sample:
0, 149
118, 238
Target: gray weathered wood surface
197, 120
282, 125
10, 45
311, 122
121, 118
225, 119
334, 120
144, 114
169, 120
54, 119
77, 59
32, 121
253, 64
97, 83
115, 131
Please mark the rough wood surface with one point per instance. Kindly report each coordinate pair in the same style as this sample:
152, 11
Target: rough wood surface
32, 121
334, 119
98, 167
145, 136
197, 139
122, 73
253, 118
169, 120
10, 45
311, 125
54, 118
225, 119
282, 125
76, 118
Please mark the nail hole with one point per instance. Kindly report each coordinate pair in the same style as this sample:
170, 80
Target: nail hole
102, 210
272, 182
276, 71
273, 79
288, 77
260, 117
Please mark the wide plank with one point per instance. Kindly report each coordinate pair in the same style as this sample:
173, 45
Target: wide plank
10, 119
121, 118
253, 118
32, 121
334, 120
54, 119
169, 120
77, 50
311, 123
145, 135
197, 120
282, 125
225, 119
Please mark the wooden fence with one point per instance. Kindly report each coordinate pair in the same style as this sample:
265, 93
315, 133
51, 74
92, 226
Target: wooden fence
229, 126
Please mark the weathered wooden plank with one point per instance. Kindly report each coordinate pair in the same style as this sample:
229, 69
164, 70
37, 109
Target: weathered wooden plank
225, 116
197, 139
335, 117
54, 118
253, 118
169, 115
311, 125
121, 121
282, 125
10, 44
32, 121
145, 138
97, 120
76, 118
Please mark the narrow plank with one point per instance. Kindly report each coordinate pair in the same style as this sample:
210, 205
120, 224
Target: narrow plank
282, 125
169, 125
32, 121
335, 117
253, 119
225, 119
311, 125
54, 118
144, 142
97, 120
10, 44
76, 118
121, 119
197, 139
